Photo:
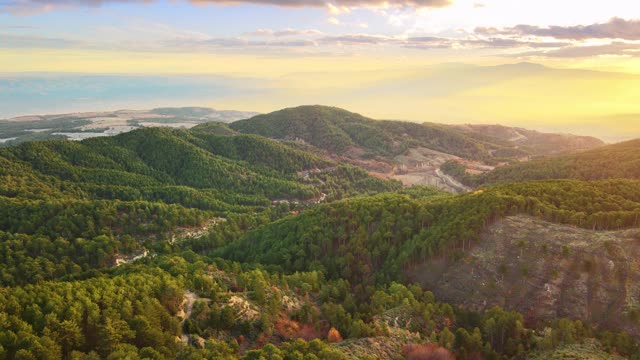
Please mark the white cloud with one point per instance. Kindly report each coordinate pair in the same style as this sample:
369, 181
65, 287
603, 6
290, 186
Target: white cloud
338, 10
340, 6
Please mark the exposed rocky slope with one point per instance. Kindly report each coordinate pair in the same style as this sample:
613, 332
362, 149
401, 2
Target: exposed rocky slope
545, 271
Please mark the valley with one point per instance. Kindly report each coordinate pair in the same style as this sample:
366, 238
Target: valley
317, 231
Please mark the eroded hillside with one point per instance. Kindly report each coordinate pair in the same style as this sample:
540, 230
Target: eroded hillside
545, 271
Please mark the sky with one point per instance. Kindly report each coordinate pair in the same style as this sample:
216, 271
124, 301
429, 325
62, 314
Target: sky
567, 65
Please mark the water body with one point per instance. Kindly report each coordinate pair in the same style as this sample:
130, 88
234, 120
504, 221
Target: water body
37, 93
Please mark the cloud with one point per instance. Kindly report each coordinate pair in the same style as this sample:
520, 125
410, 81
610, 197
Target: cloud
512, 43
272, 39
284, 32
428, 42
616, 28
340, 40
612, 49
338, 10
358, 39
570, 41
294, 32
424, 42
260, 32
13, 41
336, 6
336, 3
236, 43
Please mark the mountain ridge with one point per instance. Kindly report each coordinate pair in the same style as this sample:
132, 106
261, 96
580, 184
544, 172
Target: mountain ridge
621, 160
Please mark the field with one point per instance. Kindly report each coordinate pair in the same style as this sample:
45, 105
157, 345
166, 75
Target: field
79, 126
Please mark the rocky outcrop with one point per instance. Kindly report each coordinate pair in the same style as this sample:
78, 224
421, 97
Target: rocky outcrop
545, 271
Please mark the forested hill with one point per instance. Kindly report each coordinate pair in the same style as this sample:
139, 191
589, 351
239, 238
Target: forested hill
66, 207
339, 131
615, 161
373, 239
117, 167
535, 142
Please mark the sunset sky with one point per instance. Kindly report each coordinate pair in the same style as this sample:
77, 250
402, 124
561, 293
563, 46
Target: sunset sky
567, 65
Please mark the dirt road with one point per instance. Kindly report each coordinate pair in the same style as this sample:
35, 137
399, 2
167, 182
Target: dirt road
460, 188
187, 306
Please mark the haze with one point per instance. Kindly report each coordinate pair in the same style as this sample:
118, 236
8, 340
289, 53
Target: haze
568, 67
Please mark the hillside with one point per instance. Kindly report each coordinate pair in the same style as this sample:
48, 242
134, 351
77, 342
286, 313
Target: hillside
449, 245
535, 142
409, 152
545, 271
147, 311
615, 161
206, 161
390, 232
106, 197
227, 310
337, 131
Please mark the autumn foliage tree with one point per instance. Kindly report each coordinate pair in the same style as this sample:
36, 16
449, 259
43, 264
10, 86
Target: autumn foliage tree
334, 335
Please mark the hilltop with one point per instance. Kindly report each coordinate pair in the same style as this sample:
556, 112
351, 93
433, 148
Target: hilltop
410, 152
337, 130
